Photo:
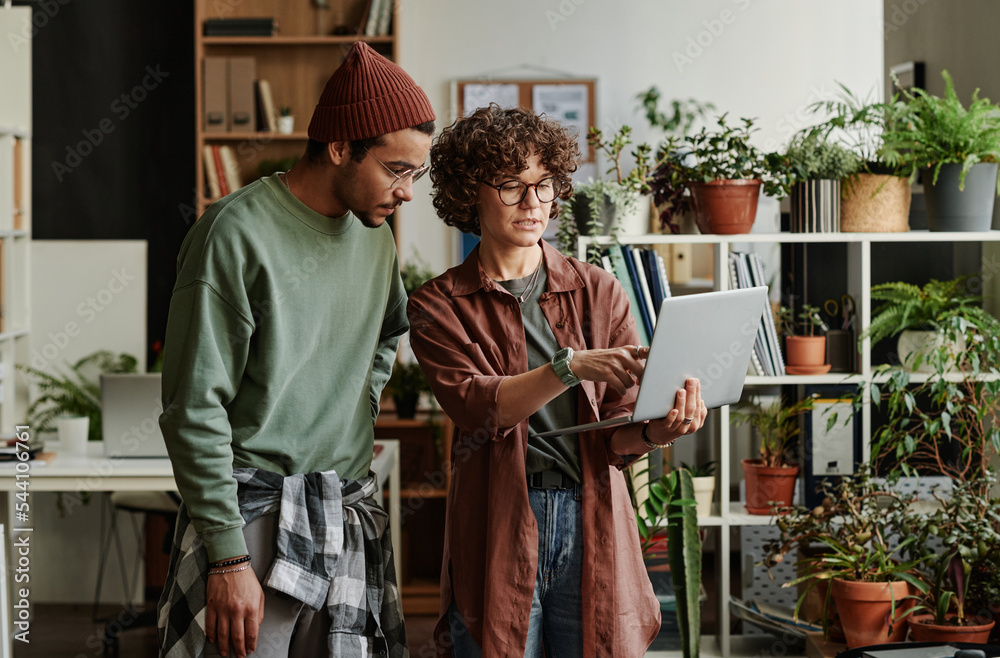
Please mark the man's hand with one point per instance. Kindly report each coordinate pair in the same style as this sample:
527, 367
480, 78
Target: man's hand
619, 367
235, 610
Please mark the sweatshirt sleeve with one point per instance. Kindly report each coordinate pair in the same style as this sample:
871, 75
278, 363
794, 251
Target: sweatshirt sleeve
205, 354
394, 325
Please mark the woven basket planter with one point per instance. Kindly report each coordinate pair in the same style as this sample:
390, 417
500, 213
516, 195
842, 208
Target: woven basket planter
871, 203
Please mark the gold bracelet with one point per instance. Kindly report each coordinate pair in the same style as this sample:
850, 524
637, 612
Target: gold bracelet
243, 568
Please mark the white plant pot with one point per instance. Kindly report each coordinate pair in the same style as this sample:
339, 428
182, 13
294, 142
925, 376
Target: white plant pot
73, 433
912, 343
704, 488
286, 125
635, 221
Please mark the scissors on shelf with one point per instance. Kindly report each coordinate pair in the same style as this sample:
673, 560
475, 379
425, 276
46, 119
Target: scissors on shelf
844, 309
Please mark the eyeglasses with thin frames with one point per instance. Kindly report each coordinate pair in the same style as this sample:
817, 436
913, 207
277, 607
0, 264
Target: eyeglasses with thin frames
513, 192
410, 174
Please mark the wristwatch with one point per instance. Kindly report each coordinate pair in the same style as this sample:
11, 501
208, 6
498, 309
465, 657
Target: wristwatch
560, 363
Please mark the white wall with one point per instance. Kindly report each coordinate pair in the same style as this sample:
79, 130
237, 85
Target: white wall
756, 58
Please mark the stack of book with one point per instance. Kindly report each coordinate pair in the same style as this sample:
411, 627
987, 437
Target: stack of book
746, 270
222, 171
643, 275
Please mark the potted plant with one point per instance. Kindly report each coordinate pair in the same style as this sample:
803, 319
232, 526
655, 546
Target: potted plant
921, 315
816, 167
962, 531
719, 174
609, 207
770, 479
405, 385
286, 122
703, 480
74, 392
805, 350
955, 150
850, 535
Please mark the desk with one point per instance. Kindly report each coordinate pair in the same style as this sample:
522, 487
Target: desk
96, 472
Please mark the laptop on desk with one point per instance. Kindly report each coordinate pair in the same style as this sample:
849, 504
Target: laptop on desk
709, 336
130, 415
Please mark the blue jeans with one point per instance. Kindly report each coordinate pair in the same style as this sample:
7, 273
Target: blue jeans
556, 621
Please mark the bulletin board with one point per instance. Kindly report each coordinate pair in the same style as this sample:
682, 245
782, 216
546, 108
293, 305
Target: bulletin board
570, 100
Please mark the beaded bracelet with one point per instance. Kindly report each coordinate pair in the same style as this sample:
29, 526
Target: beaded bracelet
229, 563
243, 568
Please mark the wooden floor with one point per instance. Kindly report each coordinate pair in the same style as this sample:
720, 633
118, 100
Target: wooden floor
66, 631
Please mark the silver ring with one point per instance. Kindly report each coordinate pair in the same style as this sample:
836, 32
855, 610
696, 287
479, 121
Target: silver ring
687, 421
637, 352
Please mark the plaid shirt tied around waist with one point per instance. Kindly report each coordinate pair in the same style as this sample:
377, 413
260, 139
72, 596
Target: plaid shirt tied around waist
333, 551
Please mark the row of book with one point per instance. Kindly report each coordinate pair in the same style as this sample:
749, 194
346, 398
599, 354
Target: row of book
643, 275
235, 99
376, 20
222, 170
746, 270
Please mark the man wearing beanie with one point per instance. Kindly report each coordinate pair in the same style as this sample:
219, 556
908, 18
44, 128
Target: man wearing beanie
282, 331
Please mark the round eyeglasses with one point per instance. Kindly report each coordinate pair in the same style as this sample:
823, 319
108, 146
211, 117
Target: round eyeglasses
412, 175
513, 192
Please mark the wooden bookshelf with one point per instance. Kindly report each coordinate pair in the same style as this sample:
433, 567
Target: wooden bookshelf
296, 61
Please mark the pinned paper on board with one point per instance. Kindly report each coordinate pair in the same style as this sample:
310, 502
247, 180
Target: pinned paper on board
566, 103
475, 96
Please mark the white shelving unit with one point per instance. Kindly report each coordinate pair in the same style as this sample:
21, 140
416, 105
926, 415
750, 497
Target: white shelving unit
727, 513
15, 214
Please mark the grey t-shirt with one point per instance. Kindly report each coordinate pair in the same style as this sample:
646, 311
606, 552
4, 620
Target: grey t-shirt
554, 453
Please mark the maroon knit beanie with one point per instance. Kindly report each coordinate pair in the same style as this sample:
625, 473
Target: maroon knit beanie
368, 96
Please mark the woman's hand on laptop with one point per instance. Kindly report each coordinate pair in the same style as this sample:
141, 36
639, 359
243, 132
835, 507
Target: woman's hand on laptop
619, 367
686, 417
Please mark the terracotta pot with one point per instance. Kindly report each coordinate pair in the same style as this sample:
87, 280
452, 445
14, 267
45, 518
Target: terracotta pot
805, 350
924, 629
864, 611
768, 486
725, 207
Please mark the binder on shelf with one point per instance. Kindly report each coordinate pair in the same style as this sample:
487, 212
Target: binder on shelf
633, 278
267, 106
664, 279
385, 18
242, 106
211, 174
215, 85
621, 271
643, 287
757, 275
760, 356
371, 23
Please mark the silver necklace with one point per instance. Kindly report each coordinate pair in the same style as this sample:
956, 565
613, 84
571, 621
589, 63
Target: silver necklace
287, 186
531, 283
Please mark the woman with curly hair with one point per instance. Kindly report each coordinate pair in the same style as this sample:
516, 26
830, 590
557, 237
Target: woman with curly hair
541, 548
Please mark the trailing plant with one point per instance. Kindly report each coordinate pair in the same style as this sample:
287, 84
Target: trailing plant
907, 306
962, 531
588, 200
74, 390
778, 425
810, 157
941, 131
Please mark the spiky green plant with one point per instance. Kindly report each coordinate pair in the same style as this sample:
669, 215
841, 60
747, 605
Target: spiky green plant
778, 425
74, 391
941, 131
907, 306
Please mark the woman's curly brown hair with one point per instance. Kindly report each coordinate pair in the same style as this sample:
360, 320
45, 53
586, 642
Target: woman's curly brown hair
488, 144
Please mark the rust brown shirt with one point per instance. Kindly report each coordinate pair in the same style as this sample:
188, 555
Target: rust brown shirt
467, 334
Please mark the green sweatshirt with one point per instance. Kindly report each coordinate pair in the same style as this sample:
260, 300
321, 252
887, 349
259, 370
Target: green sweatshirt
282, 331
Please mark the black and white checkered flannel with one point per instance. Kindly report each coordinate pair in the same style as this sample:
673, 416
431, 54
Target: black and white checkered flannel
334, 551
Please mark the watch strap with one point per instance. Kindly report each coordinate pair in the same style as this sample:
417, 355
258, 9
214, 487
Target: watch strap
560, 363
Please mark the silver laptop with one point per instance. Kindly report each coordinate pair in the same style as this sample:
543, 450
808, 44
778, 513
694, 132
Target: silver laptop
709, 336
130, 415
